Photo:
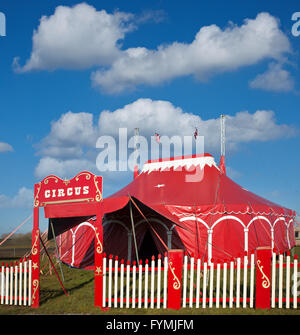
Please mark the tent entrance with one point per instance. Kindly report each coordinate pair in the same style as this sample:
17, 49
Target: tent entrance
148, 247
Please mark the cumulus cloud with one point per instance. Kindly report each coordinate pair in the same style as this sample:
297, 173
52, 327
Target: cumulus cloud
23, 199
70, 147
82, 37
65, 168
68, 135
170, 120
5, 147
274, 79
212, 51
76, 37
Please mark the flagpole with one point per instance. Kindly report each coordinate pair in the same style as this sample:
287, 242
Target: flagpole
136, 135
223, 139
223, 135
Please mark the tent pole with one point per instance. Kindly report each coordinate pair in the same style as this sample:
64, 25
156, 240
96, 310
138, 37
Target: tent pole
133, 231
61, 284
197, 233
162, 242
54, 237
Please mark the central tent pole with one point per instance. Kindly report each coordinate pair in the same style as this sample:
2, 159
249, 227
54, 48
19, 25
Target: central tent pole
133, 231
162, 242
61, 284
59, 262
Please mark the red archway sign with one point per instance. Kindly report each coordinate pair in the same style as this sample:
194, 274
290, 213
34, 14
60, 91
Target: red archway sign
80, 196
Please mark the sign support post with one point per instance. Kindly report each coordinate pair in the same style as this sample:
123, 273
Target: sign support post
99, 258
35, 258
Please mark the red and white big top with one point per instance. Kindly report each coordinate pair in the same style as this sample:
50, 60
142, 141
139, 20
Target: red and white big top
189, 203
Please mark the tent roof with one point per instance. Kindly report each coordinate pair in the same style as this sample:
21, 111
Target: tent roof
193, 184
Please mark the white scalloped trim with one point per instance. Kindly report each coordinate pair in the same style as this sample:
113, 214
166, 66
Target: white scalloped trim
177, 163
232, 212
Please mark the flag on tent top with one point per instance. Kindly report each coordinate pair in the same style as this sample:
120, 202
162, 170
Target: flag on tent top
196, 133
157, 137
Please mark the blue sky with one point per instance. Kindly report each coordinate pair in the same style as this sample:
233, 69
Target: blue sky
193, 60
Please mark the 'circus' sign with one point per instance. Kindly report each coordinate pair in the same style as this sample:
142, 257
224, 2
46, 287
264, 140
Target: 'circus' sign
85, 187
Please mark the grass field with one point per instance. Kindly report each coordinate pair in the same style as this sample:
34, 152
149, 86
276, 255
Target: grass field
80, 286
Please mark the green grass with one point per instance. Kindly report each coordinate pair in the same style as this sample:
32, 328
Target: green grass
80, 286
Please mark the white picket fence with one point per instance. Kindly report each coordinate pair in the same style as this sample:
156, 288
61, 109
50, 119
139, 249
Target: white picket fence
285, 285
15, 283
218, 284
136, 285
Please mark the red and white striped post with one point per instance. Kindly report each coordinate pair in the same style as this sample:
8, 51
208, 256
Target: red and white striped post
35, 257
263, 277
175, 260
99, 258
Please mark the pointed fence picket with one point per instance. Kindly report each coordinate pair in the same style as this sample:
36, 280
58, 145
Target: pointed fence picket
232, 283
15, 283
229, 284
285, 281
218, 284
135, 286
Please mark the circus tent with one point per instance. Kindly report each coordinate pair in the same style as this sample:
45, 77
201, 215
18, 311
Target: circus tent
186, 202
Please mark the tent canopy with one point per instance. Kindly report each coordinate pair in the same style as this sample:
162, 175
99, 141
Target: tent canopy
195, 184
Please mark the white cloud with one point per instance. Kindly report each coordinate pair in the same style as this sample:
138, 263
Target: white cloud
259, 126
5, 147
68, 135
274, 79
148, 115
169, 120
76, 37
81, 37
64, 149
70, 146
64, 168
213, 51
23, 199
